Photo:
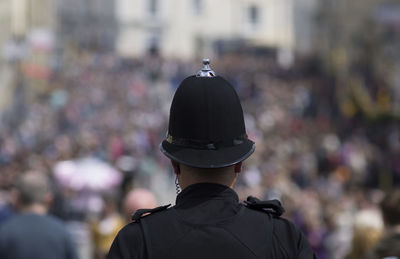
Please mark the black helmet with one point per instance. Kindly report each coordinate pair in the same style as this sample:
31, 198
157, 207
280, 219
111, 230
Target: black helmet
206, 124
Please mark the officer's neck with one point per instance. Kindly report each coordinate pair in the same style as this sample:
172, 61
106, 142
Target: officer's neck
35, 208
187, 178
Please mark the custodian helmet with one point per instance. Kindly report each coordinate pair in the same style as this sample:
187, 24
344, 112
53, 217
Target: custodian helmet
206, 124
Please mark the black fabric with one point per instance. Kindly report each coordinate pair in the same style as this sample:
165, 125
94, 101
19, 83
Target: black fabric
206, 108
35, 237
206, 125
209, 222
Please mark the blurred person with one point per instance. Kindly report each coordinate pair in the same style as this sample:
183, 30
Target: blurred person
137, 199
338, 218
367, 231
207, 143
32, 233
389, 245
6, 209
106, 227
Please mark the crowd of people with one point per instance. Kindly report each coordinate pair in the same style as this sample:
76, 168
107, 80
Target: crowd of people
330, 171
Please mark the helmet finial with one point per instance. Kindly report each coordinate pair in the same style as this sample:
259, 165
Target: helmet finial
206, 70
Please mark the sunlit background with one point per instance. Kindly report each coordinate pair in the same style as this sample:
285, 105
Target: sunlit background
86, 85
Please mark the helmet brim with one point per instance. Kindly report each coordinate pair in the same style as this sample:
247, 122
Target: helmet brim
204, 158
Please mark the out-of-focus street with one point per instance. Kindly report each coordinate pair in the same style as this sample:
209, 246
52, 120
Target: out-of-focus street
326, 127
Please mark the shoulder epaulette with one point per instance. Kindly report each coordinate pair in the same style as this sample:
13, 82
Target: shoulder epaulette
140, 212
271, 206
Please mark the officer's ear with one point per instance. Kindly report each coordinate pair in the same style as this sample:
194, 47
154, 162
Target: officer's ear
176, 166
238, 167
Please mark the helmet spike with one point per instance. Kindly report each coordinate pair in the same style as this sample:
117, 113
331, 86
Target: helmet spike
206, 70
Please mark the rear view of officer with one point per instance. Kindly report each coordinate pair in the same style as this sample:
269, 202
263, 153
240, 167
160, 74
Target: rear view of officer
207, 143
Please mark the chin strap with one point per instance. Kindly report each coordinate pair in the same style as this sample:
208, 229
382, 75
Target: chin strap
177, 187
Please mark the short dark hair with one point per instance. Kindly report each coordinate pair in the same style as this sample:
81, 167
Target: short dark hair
390, 206
32, 187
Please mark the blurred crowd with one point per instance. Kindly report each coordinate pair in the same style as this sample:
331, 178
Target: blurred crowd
100, 112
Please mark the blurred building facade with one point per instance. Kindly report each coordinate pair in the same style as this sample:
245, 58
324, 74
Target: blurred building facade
174, 28
358, 43
187, 29
5, 28
5, 22
304, 19
19, 19
89, 24
26, 33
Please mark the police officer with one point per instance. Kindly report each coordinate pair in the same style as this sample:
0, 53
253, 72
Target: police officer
207, 143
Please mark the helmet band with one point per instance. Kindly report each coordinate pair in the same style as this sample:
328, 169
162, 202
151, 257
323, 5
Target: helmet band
208, 145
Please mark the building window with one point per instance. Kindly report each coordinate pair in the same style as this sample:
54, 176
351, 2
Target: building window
153, 7
153, 44
254, 15
197, 7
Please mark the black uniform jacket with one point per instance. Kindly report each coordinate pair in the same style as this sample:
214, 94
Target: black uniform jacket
209, 222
